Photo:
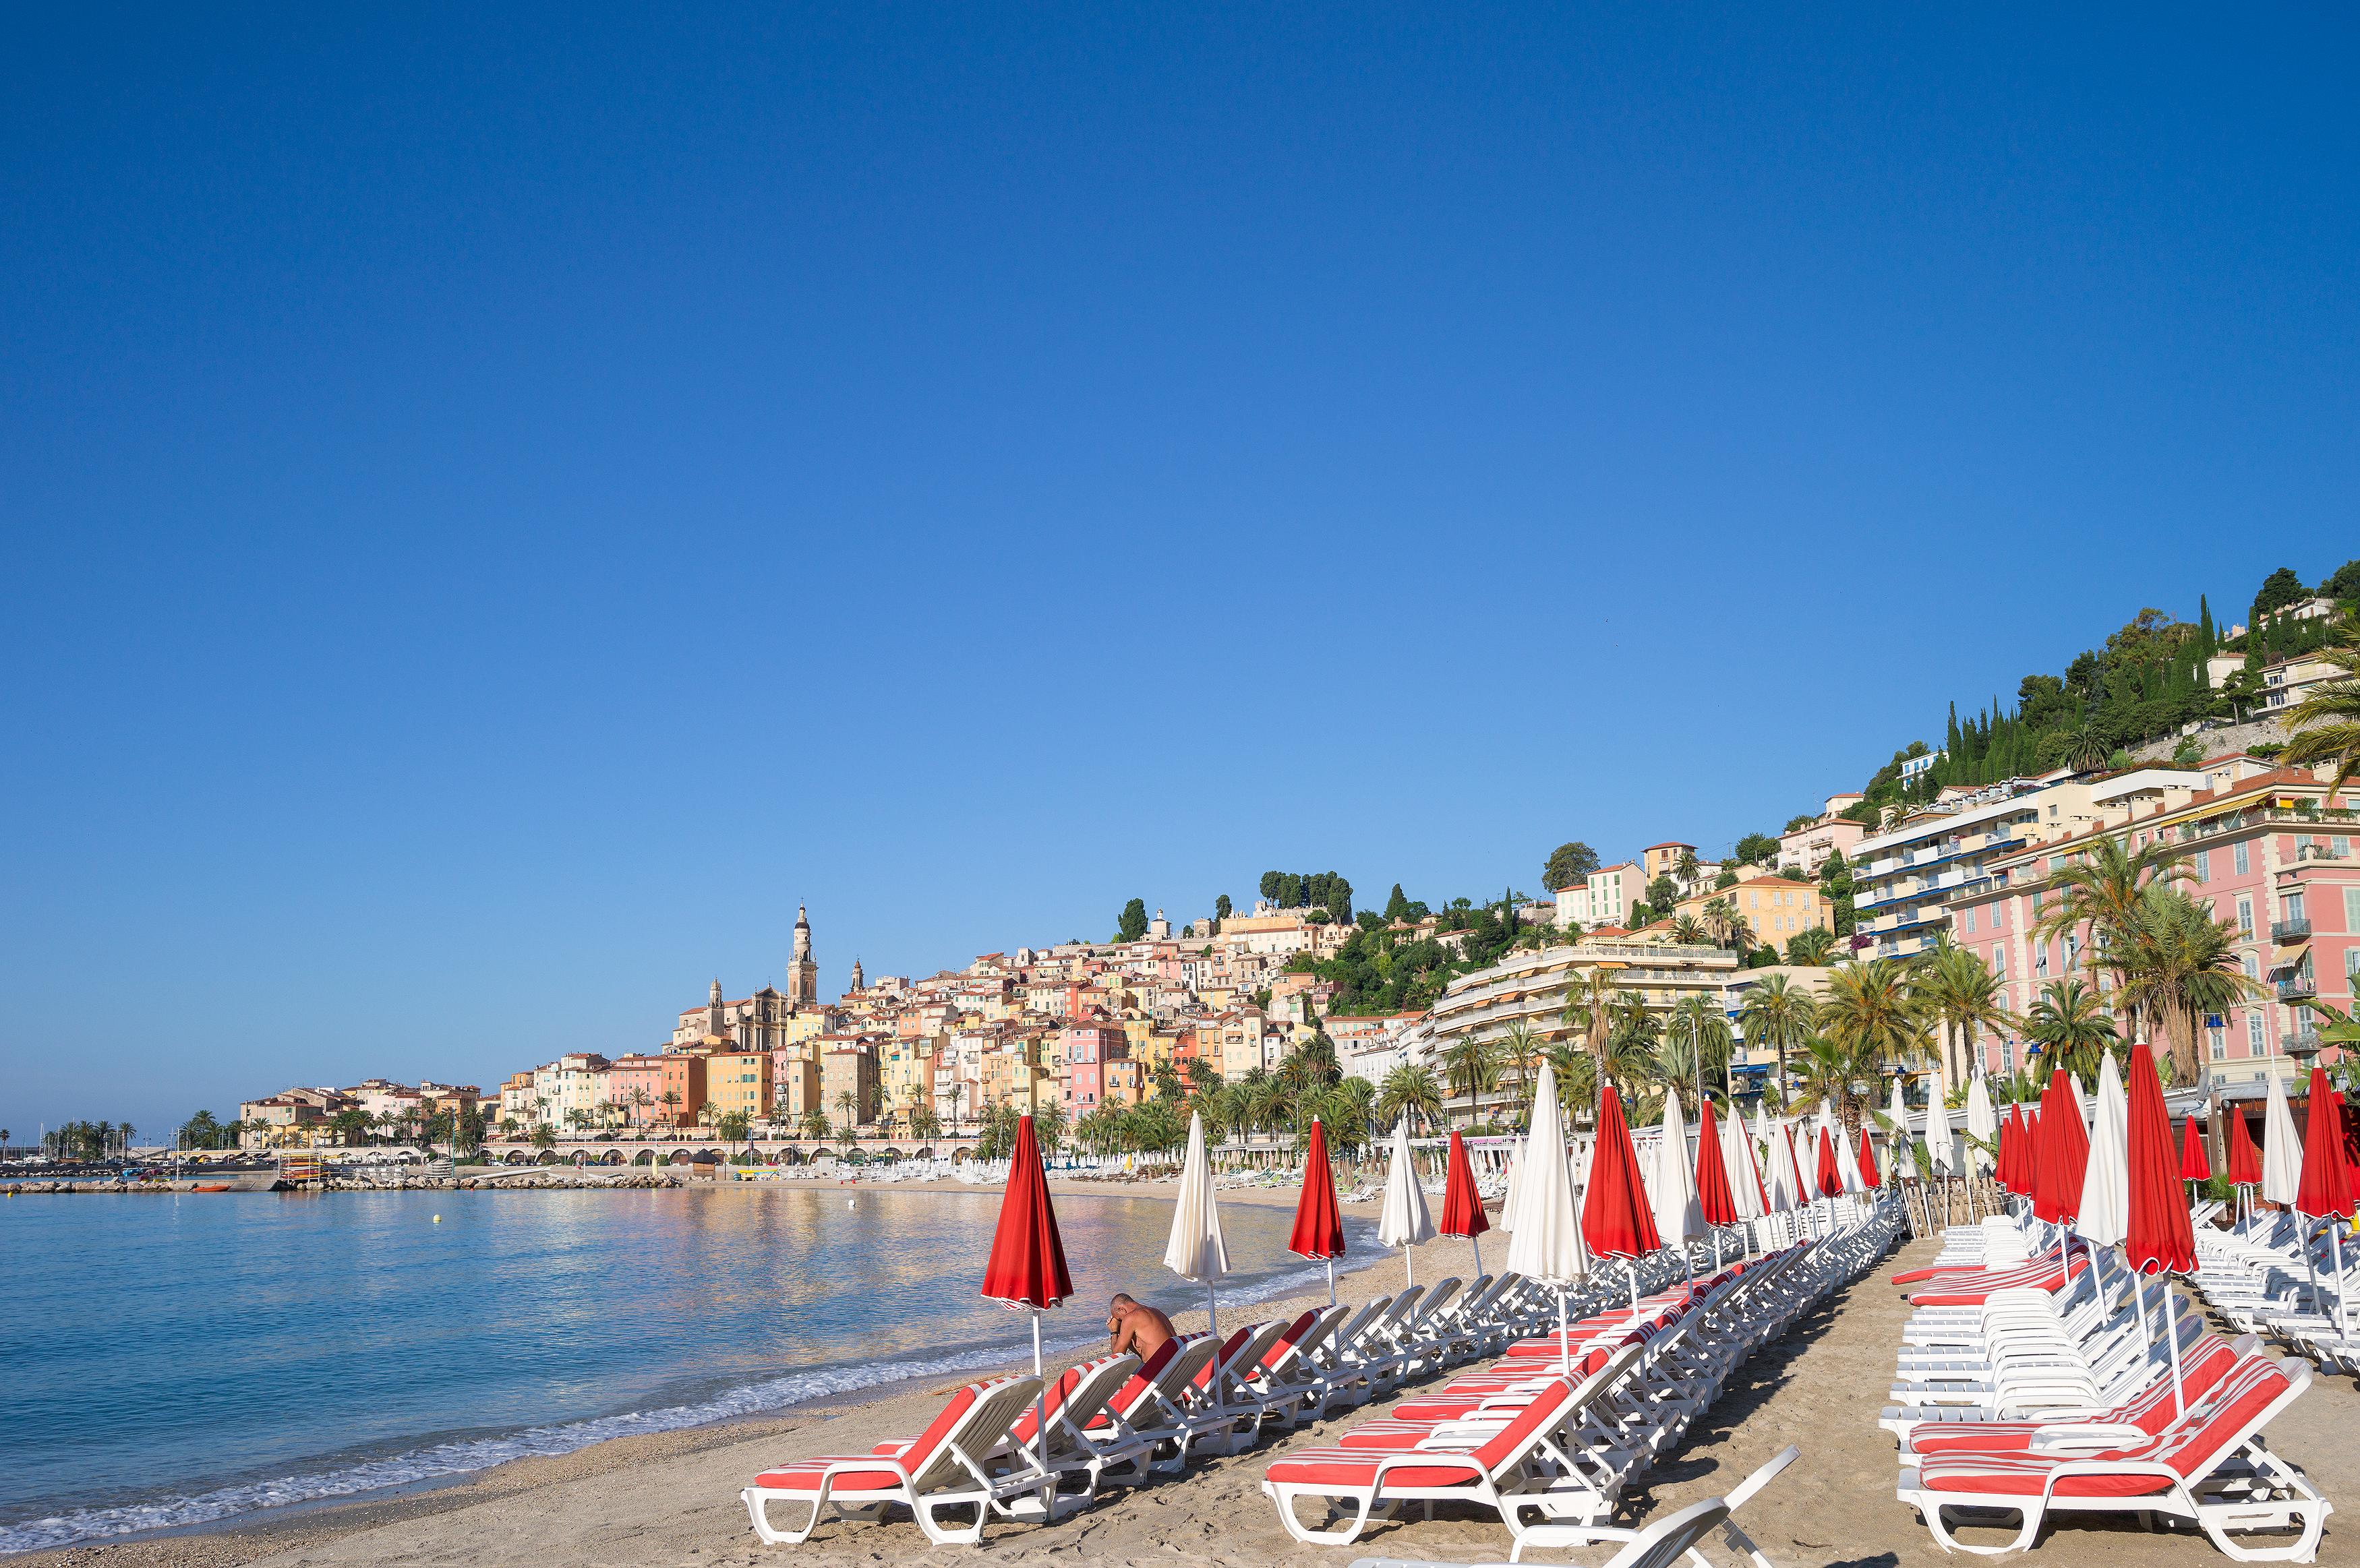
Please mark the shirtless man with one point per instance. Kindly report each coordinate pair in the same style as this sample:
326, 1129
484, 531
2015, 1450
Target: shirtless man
1138, 1329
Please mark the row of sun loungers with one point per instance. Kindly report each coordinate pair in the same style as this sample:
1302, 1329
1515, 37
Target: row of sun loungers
1550, 1436
1115, 1422
2276, 1275
2027, 1392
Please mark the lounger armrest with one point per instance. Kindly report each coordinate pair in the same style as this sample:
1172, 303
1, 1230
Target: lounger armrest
2077, 1433
2109, 1467
1425, 1459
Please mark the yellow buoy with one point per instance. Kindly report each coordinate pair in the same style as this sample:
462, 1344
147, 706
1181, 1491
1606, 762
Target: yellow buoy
438, 1219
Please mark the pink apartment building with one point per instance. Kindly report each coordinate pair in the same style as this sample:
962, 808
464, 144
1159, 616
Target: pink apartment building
2268, 855
1082, 1071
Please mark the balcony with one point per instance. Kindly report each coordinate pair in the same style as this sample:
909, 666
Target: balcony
2294, 988
2289, 930
2316, 850
2301, 1042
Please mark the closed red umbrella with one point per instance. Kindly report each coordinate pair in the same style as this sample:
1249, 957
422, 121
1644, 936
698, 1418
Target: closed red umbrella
1616, 1219
2003, 1164
1868, 1160
1830, 1181
1462, 1205
2064, 1154
2326, 1188
1318, 1229
2159, 1239
1027, 1259
2193, 1166
1713, 1195
2245, 1160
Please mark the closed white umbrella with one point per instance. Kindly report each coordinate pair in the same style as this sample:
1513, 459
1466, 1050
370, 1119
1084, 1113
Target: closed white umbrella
1737, 1158
2104, 1219
1983, 1125
1902, 1161
1195, 1251
1545, 1246
1848, 1160
2281, 1147
1679, 1217
1941, 1159
1404, 1223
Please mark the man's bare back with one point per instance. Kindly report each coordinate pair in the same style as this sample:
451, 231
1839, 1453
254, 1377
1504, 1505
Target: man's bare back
1141, 1330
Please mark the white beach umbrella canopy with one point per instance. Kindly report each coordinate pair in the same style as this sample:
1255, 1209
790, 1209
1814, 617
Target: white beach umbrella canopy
2105, 1216
1546, 1245
2281, 1148
1195, 1251
1848, 1160
1744, 1170
1780, 1177
1938, 1153
1903, 1159
1983, 1123
1404, 1222
1679, 1216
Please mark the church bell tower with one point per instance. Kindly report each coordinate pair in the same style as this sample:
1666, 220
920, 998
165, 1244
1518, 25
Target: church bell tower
803, 971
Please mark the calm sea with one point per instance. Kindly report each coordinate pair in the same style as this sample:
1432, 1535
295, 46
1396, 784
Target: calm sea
167, 1362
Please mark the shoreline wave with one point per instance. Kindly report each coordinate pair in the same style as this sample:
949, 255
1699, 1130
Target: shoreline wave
445, 1461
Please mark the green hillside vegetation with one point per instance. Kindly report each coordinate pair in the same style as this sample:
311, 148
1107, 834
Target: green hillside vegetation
2144, 685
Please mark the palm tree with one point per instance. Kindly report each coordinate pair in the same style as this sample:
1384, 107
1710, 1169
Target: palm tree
815, 1126
1409, 1090
733, 1127
1698, 1029
2180, 964
1812, 946
1778, 1014
1472, 1067
1591, 1000
1521, 1048
2069, 1025
1688, 931
2085, 748
2101, 888
1632, 1032
924, 1124
1870, 1015
1959, 992
1830, 1069
1577, 1076
2326, 723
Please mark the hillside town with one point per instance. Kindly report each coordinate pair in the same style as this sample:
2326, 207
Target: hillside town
1662, 942
2087, 866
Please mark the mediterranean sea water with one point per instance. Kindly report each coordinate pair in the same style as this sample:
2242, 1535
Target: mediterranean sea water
172, 1361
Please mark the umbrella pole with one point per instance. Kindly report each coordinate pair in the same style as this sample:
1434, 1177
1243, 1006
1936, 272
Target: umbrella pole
1478, 1244
1633, 1265
1564, 1345
2336, 1240
2171, 1338
1040, 1425
1409, 1264
1331, 1281
2310, 1267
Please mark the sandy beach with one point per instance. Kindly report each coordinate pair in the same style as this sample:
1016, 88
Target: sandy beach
672, 1500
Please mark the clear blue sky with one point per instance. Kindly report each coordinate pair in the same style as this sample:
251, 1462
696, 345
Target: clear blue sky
498, 507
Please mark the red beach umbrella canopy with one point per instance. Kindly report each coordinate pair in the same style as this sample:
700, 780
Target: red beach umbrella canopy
1831, 1175
1616, 1220
2245, 1160
1711, 1176
2064, 1155
1868, 1160
1463, 1206
2003, 1164
1319, 1231
2193, 1166
2161, 1240
1028, 1261
2326, 1187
